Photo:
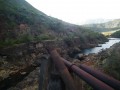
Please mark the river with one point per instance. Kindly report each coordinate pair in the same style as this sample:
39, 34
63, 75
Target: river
101, 46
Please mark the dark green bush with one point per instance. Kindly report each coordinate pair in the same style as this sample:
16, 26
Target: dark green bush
116, 34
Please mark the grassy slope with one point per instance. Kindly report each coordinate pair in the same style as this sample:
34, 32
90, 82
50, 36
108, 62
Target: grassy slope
37, 25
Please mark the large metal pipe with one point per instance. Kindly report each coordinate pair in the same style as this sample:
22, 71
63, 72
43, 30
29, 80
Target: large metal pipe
95, 83
67, 78
105, 78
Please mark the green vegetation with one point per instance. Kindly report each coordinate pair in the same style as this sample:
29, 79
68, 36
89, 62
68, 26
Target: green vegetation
97, 29
11, 42
116, 34
24, 39
110, 61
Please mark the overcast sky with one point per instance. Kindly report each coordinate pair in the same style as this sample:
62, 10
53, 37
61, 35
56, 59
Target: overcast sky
79, 11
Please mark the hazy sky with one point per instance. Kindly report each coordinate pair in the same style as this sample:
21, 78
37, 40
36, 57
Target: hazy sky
79, 11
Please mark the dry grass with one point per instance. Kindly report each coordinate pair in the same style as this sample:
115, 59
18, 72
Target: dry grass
109, 32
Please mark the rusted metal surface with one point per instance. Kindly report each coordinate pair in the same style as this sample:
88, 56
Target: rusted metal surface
107, 79
68, 80
95, 83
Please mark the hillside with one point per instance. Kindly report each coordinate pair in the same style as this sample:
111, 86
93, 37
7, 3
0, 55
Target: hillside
109, 61
116, 34
20, 22
108, 26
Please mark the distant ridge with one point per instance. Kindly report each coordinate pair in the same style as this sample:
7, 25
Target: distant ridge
107, 26
97, 21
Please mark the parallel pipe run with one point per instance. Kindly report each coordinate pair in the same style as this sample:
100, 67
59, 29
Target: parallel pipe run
108, 80
67, 78
95, 83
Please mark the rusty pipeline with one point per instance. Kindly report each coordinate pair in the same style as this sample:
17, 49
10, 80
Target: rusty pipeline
95, 83
103, 77
67, 78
